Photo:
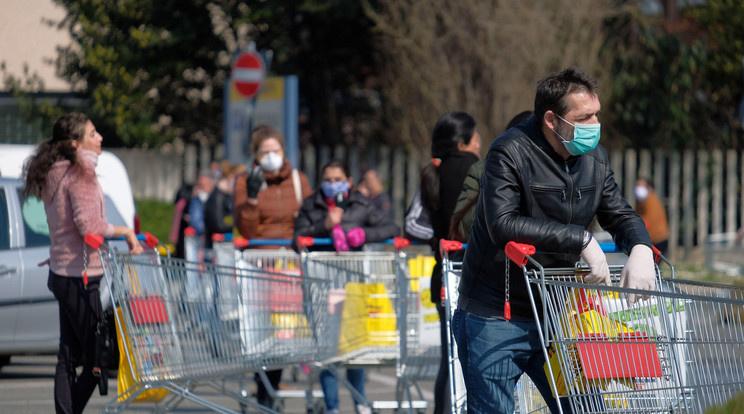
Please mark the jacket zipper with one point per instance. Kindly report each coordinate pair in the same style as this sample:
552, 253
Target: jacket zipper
570, 191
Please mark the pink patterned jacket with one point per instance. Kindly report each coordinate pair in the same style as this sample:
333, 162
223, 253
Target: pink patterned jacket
75, 206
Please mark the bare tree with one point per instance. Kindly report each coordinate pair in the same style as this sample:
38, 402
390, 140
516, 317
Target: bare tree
479, 56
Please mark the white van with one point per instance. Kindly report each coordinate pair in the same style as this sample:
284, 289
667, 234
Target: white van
29, 321
111, 172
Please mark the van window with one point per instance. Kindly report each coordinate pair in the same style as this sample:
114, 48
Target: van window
4, 222
35, 223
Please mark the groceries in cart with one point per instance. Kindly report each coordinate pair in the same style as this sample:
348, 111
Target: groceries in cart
186, 324
670, 351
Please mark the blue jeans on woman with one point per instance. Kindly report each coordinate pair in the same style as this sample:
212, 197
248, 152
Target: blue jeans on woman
329, 383
494, 354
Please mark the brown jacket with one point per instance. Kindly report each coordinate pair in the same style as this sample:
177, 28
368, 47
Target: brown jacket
273, 217
652, 212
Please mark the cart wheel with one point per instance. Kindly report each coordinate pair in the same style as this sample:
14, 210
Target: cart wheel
317, 408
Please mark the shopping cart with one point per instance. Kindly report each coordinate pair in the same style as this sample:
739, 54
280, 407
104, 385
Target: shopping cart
189, 324
526, 396
678, 350
371, 317
279, 263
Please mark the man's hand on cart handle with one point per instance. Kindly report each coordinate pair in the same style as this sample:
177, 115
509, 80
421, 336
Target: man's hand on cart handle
595, 258
639, 271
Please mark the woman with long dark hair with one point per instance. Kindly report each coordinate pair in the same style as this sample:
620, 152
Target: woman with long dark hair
62, 174
455, 146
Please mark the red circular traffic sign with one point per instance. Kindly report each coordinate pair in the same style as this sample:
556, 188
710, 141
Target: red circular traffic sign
248, 73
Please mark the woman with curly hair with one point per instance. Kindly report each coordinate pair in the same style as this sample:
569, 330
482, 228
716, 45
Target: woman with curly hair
62, 174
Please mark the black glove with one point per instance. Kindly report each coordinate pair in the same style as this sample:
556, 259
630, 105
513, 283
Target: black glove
254, 182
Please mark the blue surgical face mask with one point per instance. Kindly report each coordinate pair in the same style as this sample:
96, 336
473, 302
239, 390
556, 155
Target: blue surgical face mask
586, 137
330, 190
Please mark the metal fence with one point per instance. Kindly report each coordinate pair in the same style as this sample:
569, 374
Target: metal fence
702, 191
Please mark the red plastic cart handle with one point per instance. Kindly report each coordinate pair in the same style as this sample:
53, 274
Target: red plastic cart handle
94, 240
518, 252
400, 242
151, 240
241, 242
189, 232
449, 245
657, 254
305, 241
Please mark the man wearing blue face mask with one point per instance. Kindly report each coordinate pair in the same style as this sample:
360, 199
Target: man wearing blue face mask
544, 181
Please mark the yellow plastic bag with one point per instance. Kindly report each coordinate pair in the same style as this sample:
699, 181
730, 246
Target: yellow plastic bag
287, 325
125, 380
368, 317
584, 314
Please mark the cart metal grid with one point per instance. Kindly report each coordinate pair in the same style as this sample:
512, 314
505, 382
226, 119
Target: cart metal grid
189, 324
372, 319
678, 350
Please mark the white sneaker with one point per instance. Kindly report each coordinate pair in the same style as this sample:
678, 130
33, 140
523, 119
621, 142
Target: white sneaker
334, 411
363, 409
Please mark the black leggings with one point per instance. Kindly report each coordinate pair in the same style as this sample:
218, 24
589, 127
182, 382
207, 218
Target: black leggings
441, 385
78, 310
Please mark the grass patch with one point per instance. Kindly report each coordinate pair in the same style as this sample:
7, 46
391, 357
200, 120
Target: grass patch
155, 217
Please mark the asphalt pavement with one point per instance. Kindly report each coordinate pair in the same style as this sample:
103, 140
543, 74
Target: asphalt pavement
27, 386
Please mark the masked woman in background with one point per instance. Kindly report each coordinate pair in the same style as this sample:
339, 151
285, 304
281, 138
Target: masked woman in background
267, 200
62, 173
340, 212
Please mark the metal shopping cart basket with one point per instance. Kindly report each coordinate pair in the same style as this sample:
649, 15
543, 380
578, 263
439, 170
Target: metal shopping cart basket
679, 350
527, 398
281, 263
368, 315
177, 320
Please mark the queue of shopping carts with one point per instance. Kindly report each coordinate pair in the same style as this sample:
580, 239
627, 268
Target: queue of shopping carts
678, 349
186, 325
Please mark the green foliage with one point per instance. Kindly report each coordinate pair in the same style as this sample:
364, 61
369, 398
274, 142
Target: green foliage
723, 22
679, 87
328, 44
150, 69
658, 92
734, 406
155, 217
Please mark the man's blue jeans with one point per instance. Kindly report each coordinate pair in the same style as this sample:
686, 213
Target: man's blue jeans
494, 354
329, 383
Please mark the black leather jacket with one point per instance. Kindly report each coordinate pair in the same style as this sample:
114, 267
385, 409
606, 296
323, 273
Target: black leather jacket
530, 194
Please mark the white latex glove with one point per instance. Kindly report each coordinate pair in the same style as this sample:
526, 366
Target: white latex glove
593, 255
639, 271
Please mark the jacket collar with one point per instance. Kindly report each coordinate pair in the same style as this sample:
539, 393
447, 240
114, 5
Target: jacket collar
532, 129
355, 197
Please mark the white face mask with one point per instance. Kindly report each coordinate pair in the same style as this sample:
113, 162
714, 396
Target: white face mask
203, 196
272, 162
641, 192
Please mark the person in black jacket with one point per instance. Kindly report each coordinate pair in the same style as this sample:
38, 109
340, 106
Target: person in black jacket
340, 212
455, 146
543, 183
218, 210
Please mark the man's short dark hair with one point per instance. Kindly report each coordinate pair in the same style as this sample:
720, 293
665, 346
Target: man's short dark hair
552, 91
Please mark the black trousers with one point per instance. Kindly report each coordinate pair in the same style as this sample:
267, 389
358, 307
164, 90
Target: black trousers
441, 385
262, 394
78, 309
